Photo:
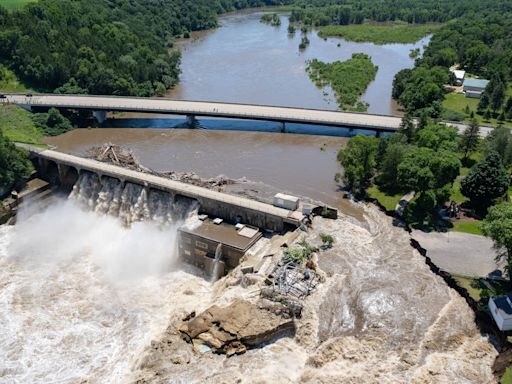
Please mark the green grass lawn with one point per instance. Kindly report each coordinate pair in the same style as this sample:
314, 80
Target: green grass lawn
380, 33
14, 4
9, 83
471, 227
456, 195
465, 282
17, 125
457, 102
507, 376
389, 202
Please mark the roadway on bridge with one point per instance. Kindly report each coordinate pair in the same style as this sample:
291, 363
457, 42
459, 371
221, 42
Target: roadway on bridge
214, 109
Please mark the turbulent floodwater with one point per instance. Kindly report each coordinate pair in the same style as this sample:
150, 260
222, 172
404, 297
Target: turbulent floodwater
82, 294
87, 298
381, 316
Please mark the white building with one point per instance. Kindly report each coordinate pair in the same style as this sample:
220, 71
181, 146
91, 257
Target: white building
501, 310
459, 75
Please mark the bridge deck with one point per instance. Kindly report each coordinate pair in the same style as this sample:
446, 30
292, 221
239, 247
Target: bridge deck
200, 108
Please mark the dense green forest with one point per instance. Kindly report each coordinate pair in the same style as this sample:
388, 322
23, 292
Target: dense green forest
104, 47
343, 12
479, 43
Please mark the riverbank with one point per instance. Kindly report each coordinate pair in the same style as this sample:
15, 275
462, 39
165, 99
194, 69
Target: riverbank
219, 60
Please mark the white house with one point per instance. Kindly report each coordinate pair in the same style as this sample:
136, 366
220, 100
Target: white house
459, 75
501, 310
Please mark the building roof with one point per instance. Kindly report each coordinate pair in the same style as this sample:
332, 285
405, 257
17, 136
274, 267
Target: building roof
459, 74
476, 83
504, 305
226, 234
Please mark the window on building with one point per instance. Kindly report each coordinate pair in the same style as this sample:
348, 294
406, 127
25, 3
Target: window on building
200, 244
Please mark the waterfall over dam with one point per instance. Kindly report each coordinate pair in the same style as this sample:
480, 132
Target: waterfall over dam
130, 202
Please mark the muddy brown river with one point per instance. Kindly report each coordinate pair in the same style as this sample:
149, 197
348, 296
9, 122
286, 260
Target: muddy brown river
246, 61
300, 164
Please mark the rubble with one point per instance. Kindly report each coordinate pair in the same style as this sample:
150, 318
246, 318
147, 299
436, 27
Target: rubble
240, 326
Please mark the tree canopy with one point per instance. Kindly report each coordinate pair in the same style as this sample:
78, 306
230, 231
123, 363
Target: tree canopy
14, 164
116, 47
485, 182
358, 160
498, 226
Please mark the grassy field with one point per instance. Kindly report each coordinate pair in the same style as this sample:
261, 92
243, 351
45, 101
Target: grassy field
9, 83
471, 227
387, 201
380, 33
17, 125
457, 102
14, 4
465, 282
507, 376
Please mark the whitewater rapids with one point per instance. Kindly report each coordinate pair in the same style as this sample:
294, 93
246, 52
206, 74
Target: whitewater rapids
90, 292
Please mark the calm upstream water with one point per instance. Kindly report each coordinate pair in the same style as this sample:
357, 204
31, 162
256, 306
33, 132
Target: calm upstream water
246, 61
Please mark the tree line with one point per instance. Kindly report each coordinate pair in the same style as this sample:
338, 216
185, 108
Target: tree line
119, 47
481, 44
343, 12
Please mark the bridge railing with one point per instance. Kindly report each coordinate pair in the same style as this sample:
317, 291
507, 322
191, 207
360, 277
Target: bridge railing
343, 118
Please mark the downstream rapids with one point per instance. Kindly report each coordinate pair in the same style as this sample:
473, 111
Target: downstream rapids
91, 291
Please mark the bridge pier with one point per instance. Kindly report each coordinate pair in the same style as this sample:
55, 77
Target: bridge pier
100, 116
192, 121
378, 133
283, 127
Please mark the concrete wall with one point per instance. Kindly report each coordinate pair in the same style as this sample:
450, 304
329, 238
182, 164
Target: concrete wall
62, 169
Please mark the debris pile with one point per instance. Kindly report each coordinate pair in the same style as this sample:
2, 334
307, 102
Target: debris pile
124, 157
240, 326
114, 154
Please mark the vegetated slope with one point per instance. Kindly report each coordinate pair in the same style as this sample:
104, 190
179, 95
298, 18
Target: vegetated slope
348, 79
15, 4
103, 47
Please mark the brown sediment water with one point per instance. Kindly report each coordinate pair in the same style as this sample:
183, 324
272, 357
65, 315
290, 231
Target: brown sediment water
298, 164
247, 61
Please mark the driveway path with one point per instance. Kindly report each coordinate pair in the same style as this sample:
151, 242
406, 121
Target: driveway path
459, 253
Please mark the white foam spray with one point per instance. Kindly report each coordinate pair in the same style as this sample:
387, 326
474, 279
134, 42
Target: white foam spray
83, 291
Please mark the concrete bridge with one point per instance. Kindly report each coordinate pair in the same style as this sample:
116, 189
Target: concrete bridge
100, 105
64, 169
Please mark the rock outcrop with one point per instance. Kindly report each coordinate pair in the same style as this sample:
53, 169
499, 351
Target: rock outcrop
237, 327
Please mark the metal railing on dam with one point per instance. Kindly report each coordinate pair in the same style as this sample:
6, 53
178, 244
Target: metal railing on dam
65, 169
210, 109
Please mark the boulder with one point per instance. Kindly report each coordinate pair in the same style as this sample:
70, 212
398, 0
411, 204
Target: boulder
237, 327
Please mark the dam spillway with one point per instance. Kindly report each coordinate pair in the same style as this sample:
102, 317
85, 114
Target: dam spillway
65, 169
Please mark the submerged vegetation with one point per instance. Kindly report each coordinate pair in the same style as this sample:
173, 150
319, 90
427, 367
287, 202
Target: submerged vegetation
379, 33
271, 19
348, 79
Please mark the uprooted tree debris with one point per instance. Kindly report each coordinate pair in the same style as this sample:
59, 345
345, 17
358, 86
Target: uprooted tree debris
124, 157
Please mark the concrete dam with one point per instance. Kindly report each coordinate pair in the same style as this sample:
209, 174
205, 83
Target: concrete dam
229, 226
